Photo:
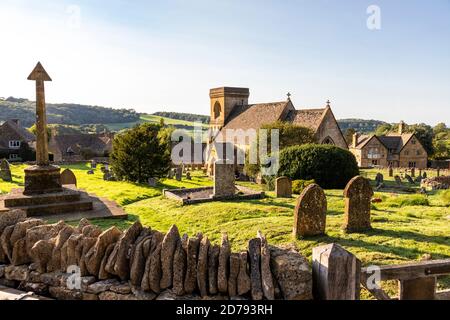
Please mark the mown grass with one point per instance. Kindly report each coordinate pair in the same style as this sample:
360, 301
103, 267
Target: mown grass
405, 226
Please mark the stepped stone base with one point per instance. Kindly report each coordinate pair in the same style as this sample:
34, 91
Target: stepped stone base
70, 204
42, 179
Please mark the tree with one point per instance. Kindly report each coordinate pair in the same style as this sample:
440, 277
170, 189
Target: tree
26, 153
290, 134
330, 166
141, 153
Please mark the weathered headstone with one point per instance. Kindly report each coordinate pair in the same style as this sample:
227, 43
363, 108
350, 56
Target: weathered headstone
391, 172
336, 273
224, 179
93, 164
413, 172
424, 175
68, 178
283, 187
410, 180
152, 182
398, 180
178, 173
358, 195
379, 179
310, 212
5, 171
188, 176
438, 172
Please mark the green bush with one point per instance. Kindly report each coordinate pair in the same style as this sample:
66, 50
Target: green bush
407, 201
330, 166
299, 185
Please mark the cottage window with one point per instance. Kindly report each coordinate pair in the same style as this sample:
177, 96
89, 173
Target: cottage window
13, 156
14, 144
373, 153
411, 164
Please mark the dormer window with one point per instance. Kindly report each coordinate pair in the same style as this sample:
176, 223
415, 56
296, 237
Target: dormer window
14, 144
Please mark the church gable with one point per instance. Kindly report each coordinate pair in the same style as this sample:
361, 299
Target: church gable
329, 132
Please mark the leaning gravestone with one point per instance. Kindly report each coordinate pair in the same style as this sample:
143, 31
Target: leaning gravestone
398, 180
283, 187
310, 212
413, 172
68, 178
358, 195
379, 179
391, 172
410, 180
5, 171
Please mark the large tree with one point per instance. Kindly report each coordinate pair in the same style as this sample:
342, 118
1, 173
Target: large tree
142, 152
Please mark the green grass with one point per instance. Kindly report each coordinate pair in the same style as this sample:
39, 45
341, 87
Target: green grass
148, 118
405, 226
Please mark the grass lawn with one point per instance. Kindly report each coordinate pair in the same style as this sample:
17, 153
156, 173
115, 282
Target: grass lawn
405, 226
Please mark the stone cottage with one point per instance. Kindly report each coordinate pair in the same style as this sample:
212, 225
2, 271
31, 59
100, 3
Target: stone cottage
12, 138
78, 147
395, 149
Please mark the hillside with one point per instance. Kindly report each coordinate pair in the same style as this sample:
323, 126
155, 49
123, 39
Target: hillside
69, 114
360, 125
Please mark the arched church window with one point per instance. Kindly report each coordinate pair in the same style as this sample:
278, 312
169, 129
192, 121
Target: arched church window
217, 110
328, 140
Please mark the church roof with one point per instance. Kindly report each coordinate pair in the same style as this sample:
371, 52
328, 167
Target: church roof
254, 116
310, 118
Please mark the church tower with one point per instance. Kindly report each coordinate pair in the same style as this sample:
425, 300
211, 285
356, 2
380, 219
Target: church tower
223, 100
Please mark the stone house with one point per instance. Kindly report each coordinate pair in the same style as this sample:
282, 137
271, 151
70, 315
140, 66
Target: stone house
12, 138
79, 147
230, 109
400, 149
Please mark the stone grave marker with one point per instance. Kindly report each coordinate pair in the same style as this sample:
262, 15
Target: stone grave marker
283, 187
424, 175
413, 172
94, 164
224, 179
170, 174
178, 173
358, 195
68, 178
188, 176
391, 172
398, 180
410, 180
5, 171
310, 212
379, 179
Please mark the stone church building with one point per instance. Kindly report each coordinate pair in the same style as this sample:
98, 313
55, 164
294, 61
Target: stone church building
230, 109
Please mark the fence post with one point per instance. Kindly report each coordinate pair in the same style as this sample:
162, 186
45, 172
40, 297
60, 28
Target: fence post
336, 273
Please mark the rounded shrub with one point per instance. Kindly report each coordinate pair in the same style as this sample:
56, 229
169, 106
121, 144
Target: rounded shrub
330, 166
299, 185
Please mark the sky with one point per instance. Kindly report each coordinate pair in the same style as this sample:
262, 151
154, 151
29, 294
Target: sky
390, 64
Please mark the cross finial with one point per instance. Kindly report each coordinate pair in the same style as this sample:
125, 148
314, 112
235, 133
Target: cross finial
328, 103
289, 96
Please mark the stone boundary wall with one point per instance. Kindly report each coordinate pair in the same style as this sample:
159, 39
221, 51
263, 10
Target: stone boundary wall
85, 263
436, 183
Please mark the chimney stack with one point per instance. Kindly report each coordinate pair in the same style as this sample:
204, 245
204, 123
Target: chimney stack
355, 139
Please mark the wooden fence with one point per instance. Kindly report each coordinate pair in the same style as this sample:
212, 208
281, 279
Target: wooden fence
338, 276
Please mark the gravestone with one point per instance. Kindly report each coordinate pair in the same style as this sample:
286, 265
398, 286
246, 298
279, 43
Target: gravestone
398, 180
413, 172
107, 176
5, 171
310, 212
178, 173
438, 172
424, 175
358, 195
283, 187
188, 176
94, 164
379, 179
170, 174
152, 182
224, 179
68, 178
410, 180
391, 172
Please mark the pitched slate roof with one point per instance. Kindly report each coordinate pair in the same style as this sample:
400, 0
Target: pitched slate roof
310, 118
12, 128
254, 116
75, 143
391, 141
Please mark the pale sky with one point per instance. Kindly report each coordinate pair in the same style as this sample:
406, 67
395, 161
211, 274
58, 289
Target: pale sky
165, 55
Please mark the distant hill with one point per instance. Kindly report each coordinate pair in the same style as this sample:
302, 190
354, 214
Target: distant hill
360, 125
184, 116
68, 114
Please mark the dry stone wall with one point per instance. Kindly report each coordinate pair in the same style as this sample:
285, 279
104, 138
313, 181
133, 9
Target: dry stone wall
85, 263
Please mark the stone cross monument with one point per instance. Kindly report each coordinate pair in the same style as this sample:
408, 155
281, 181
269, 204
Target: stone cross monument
43, 177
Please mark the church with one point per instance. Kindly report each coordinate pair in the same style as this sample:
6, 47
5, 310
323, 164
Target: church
230, 109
